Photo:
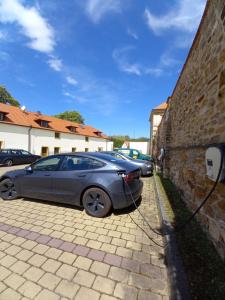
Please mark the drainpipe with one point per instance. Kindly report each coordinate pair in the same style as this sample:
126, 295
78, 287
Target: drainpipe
29, 138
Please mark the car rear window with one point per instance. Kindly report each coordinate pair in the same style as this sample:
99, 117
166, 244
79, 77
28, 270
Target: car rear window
4, 151
125, 151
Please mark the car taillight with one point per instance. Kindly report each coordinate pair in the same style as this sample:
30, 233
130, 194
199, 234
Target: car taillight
131, 176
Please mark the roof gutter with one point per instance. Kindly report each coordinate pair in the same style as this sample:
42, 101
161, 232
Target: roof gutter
29, 138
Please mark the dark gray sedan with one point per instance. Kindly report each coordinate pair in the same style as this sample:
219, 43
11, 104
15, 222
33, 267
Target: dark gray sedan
91, 180
145, 166
11, 157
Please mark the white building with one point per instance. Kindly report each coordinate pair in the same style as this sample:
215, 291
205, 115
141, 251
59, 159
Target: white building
155, 120
143, 147
45, 135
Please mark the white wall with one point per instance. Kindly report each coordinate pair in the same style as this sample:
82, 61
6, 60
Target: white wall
143, 147
13, 136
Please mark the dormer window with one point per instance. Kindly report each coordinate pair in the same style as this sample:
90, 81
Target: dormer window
98, 133
43, 123
2, 115
72, 128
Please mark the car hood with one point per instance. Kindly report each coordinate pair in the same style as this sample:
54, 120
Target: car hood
14, 173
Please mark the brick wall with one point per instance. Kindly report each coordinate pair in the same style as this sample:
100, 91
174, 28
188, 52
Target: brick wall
196, 117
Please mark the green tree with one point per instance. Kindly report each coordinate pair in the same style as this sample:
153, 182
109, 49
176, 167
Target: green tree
118, 140
73, 116
6, 98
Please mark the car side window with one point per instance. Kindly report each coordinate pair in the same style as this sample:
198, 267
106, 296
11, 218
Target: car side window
4, 151
25, 152
15, 152
76, 163
47, 164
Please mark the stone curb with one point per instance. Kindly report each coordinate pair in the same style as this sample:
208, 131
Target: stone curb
177, 277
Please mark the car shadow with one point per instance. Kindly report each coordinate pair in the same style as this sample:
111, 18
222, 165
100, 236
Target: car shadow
128, 209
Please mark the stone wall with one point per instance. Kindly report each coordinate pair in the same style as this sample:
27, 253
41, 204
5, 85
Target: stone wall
195, 118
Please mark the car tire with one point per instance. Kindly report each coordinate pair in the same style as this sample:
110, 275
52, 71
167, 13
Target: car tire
8, 162
8, 190
96, 202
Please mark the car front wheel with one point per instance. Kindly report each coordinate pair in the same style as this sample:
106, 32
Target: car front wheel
8, 190
96, 202
8, 162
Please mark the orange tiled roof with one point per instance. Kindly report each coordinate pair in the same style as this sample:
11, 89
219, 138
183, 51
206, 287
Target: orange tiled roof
14, 115
161, 106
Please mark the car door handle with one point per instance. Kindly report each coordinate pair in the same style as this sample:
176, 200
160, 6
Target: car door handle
81, 175
47, 175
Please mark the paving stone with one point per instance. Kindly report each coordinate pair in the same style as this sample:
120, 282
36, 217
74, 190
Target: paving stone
124, 252
67, 289
151, 271
67, 258
4, 272
108, 248
96, 255
51, 265
33, 274
47, 295
87, 294
100, 268
94, 244
40, 249
29, 289
84, 278
130, 265
55, 243
2, 287
143, 295
22, 232
107, 297
32, 236
83, 263
24, 255
66, 272
19, 267
18, 241
7, 261
118, 242
4, 245
10, 294
105, 239
53, 253
29, 245
49, 281
118, 274
37, 260
14, 281
104, 285
67, 246
80, 240
141, 257
124, 291
113, 259
81, 250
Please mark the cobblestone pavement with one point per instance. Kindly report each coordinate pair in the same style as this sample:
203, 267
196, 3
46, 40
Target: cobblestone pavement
50, 251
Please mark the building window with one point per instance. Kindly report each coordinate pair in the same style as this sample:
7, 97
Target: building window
86, 150
100, 149
98, 133
57, 135
2, 116
56, 150
86, 139
74, 149
72, 128
44, 151
43, 123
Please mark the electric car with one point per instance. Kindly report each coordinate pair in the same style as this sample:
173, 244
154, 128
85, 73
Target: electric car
134, 153
145, 166
11, 157
95, 181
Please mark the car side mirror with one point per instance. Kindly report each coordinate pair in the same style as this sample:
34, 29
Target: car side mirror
29, 169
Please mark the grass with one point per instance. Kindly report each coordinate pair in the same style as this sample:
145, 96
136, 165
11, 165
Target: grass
204, 267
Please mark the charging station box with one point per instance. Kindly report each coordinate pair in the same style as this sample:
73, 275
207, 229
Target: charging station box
214, 157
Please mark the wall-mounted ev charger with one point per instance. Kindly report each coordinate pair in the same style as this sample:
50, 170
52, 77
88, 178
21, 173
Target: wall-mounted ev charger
214, 157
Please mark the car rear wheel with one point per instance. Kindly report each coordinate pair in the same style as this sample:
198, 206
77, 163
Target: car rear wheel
96, 202
8, 190
8, 162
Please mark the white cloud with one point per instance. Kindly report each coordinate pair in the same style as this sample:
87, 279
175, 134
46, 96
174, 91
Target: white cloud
97, 9
33, 25
121, 57
71, 80
184, 16
167, 59
132, 33
55, 63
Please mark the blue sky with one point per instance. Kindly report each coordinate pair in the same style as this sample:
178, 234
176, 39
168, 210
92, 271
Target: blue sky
111, 60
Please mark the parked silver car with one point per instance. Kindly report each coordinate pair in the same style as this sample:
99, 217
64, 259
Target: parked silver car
145, 166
